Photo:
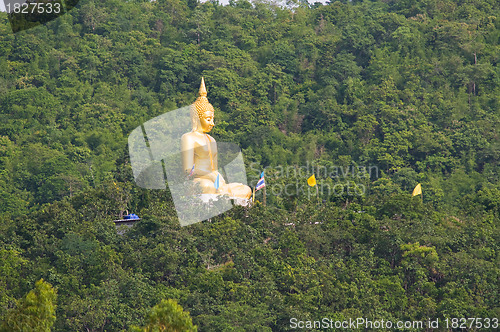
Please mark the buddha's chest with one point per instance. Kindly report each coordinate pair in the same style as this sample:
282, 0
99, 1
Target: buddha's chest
205, 149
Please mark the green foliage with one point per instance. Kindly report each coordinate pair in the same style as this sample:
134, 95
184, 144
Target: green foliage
168, 316
11, 273
35, 312
407, 89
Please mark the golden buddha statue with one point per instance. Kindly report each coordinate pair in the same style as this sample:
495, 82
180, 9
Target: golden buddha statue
199, 152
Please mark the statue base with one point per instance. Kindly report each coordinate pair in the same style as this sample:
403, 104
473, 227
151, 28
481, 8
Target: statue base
242, 201
208, 198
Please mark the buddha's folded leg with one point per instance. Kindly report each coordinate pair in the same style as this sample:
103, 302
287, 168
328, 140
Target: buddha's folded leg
239, 190
207, 186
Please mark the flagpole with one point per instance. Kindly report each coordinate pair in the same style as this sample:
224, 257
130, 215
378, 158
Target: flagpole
317, 193
264, 195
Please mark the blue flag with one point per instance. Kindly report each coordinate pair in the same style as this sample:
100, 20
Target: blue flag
217, 182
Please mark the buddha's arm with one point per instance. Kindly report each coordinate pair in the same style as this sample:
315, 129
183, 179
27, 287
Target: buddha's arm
215, 153
213, 146
187, 152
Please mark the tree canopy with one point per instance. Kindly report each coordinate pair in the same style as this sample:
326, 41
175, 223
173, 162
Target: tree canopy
408, 91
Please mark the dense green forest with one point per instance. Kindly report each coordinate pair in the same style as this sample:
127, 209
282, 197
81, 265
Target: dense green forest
410, 88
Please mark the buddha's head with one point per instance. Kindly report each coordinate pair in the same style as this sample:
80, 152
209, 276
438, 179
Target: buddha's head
202, 112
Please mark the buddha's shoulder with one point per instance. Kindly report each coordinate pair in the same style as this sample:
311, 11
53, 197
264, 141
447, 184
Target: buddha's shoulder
191, 136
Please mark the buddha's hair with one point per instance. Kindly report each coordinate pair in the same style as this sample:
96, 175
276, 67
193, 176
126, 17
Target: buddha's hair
200, 106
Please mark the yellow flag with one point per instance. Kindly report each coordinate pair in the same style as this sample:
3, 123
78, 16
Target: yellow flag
311, 181
253, 198
417, 190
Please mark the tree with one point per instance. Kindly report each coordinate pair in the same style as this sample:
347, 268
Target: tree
168, 316
12, 264
35, 312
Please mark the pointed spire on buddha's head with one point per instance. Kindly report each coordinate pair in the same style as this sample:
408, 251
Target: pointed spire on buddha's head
202, 105
203, 90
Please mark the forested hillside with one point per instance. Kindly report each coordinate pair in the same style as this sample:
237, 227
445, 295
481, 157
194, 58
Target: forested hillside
410, 89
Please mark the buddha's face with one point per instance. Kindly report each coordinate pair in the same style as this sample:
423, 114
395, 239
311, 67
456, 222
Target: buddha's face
207, 121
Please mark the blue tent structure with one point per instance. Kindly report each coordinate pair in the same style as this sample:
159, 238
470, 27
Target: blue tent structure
128, 220
131, 216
